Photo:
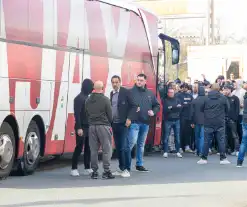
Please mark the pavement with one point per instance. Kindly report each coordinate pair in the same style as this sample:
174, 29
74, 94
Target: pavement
171, 182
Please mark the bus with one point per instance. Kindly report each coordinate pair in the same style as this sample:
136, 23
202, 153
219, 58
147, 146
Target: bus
47, 48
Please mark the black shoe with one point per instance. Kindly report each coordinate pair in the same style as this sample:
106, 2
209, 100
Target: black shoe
95, 175
141, 169
108, 175
239, 163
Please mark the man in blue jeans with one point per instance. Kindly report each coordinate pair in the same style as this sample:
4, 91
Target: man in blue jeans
171, 113
198, 119
243, 146
147, 106
122, 110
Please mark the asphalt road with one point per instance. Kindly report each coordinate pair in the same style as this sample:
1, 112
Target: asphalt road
172, 182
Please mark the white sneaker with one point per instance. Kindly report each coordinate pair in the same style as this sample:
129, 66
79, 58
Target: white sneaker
74, 173
233, 153
181, 151
118, 172
87, 172
165, 155
179, 155
187, 149
125, 174
202, 162
225, 162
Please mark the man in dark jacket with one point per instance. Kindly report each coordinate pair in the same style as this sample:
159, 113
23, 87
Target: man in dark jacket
147, 106
231, 120
215, 109
198, 119
99, 112
171, 113
185, 117
81, 128
243, 146
123, 110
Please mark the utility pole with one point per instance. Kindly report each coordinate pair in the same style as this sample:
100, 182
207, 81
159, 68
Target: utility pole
211, 23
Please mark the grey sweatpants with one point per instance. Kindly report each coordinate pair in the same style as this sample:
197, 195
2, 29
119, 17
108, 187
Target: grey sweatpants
100, 135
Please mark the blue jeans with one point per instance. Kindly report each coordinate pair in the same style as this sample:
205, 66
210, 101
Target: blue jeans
175, 125
243, 146
199, 136
137, 135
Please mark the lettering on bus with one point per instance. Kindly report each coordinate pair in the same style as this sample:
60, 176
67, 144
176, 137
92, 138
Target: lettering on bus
110, 35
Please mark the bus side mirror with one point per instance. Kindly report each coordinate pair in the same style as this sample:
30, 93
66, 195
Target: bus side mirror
175, 47
175, 53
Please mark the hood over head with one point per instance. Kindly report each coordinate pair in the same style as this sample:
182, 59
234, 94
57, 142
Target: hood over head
201, 91
239, 83
214, 94
87, 86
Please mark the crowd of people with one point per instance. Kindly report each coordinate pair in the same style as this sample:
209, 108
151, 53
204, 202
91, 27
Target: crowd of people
196, 118
125, 116
201, 116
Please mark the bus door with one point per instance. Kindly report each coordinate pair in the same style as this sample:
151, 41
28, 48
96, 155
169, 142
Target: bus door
76, 68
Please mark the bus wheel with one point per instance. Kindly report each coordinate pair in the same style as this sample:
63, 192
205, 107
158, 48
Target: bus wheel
31, 154
7, 150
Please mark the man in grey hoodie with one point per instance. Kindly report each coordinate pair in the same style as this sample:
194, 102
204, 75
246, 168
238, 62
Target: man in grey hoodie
99, 112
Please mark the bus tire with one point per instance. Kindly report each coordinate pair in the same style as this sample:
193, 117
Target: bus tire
31, 155
7, 150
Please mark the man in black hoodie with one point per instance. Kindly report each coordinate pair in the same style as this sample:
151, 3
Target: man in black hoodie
231, 120
215, 108
198, 119
185, 117
147, 106
171, 113
81, 128
99, 112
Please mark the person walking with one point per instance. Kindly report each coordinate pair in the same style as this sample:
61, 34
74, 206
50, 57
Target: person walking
123, 110
99, 112
147, 106
215, 108
81, 129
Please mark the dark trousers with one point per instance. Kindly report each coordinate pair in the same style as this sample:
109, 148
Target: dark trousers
185, 132
232, 138
120, 132
219, 134
80, 142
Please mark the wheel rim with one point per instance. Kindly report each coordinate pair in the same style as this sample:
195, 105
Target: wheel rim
6, 151
32, 148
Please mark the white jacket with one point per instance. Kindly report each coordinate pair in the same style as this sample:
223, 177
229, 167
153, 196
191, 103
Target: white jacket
239, 92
